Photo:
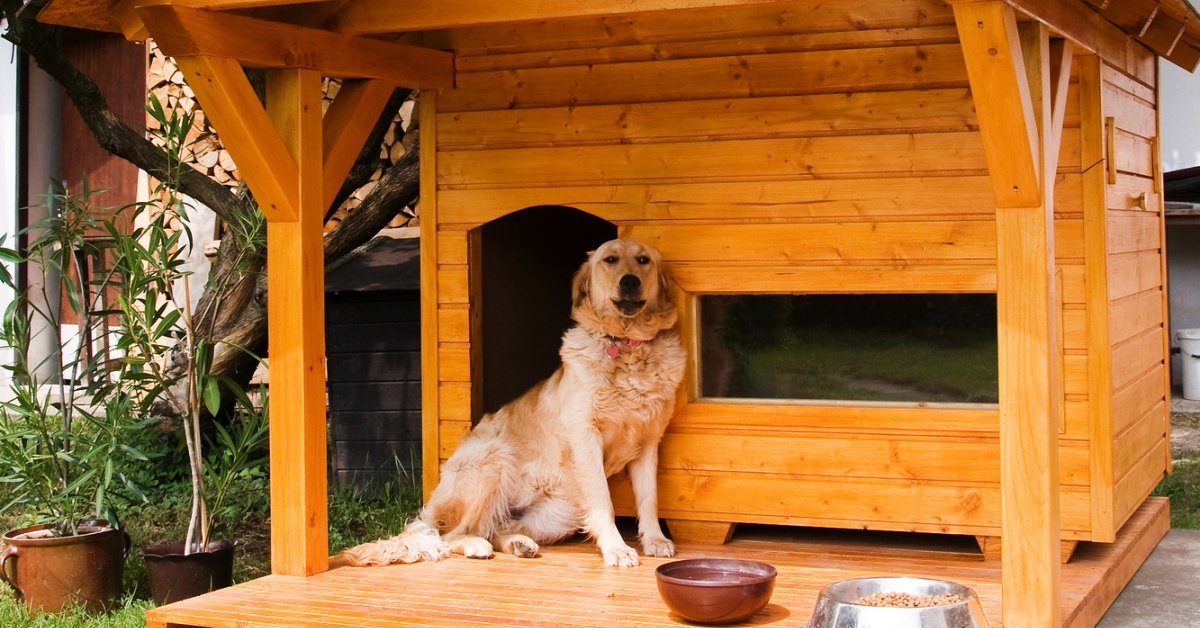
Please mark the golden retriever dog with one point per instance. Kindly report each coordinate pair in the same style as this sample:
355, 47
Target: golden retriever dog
536, 470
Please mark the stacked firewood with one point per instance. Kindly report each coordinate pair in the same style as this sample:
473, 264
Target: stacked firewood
205, 152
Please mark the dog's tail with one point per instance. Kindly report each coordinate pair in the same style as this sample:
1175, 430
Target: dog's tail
419, 541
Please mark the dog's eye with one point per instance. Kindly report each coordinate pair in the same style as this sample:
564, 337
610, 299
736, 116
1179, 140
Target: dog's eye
611, 259
643, 259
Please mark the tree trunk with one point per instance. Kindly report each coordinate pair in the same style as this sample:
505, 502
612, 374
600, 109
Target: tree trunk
234, 319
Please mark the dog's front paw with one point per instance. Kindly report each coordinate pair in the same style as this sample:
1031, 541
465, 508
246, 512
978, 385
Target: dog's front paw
476, 547
620, 556
661, 547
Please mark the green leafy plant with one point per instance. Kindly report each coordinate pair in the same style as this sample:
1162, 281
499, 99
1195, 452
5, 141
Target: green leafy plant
171, 360
68, 434
65, 430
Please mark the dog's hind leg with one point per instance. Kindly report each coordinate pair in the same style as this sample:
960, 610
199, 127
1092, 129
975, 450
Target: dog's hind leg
517, 544
547, 521
419, 541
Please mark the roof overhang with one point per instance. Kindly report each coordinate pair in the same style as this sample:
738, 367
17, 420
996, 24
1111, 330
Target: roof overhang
1170, 28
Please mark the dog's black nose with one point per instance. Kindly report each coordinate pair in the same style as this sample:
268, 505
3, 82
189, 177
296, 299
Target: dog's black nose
630, 282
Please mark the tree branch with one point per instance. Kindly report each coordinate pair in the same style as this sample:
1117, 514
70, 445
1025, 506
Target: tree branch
39, 41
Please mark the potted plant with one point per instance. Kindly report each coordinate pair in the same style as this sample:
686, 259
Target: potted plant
159, 322
67, 426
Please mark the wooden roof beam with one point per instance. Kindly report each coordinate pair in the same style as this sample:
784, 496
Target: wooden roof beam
1000, 88
186, 32
1185, 56
380, 16
347, 124
1079, 23
229, 101
1161, 32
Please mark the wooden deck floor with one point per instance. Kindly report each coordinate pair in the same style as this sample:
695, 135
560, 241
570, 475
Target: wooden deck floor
568, 586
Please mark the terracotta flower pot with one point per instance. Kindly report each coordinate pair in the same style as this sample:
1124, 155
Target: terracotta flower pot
174, 576
50, 572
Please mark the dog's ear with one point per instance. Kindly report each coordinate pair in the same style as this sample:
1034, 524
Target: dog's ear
664, 280
581, 285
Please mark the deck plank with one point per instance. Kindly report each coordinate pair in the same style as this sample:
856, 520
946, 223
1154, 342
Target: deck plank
569, 586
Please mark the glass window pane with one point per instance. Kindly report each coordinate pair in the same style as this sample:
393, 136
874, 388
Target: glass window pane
858, 347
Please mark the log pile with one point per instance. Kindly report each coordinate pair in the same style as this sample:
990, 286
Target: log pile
205, 152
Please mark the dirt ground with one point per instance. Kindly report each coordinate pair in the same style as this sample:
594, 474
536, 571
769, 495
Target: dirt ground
1185, 429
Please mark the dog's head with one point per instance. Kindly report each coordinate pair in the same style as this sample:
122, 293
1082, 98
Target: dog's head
624, 285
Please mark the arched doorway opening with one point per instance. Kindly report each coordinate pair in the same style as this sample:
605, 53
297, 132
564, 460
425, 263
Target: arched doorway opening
521, 279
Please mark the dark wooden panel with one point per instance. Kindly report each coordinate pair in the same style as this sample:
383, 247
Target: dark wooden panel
374, 337
378, 425
377, 455
384, 263
373, 307
375, 396
374, 479
376, 367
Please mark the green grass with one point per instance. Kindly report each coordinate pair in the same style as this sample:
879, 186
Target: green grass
870, 366
130, 613
1183, 488
355, 515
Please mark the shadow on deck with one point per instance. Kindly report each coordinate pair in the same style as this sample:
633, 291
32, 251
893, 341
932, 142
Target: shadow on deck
569, 586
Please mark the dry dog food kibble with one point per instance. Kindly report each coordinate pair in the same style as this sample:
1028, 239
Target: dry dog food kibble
906, 600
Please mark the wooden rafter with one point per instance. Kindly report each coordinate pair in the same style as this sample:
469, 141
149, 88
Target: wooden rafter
230, 103
378, 16
988, 31
183, 32
347, 123
1019, 82
1161, 32
1079, 23
1061, 53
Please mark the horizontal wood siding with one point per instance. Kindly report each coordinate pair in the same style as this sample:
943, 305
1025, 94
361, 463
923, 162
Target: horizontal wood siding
1140, 420
373, 358
835, 153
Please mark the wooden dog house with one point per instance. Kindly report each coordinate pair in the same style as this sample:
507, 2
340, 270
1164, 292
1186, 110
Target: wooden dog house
764, 147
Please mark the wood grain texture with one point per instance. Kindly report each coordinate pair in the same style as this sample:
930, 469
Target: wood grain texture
431, 397
264, 162
568, 585
1009, 126
296, 317
349, 120
182, 31
1011, 76
822, 71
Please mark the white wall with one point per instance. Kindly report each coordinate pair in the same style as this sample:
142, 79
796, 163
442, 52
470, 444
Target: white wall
1179, 103
9, 143
1179, 100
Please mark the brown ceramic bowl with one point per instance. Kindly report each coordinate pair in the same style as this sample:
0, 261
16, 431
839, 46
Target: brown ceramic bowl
715, 590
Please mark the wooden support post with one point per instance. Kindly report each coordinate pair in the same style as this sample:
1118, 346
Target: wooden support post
296, 319
430, 316
1019, 88
293, 160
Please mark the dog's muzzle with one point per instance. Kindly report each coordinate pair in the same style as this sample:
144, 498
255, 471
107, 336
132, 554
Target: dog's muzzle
629, 295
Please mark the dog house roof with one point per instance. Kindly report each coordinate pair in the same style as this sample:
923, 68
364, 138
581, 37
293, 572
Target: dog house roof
1171, 28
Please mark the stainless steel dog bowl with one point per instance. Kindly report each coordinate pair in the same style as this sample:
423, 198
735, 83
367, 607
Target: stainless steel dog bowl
836, 607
